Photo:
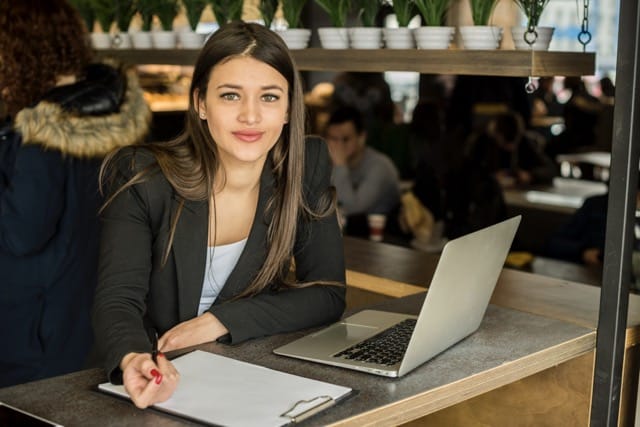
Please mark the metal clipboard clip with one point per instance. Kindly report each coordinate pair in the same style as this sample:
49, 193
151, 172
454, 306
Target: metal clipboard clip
305, 408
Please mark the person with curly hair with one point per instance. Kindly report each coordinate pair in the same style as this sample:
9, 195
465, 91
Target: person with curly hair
226, 233
63, 115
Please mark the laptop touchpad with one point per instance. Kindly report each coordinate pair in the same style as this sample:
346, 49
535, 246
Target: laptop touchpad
347, 333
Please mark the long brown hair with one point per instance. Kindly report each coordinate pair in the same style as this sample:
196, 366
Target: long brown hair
40, 40
190, 161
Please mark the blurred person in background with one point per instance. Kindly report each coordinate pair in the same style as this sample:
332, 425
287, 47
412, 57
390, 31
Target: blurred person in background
516, 153
581, 238
366, 180
63, 114
581, 114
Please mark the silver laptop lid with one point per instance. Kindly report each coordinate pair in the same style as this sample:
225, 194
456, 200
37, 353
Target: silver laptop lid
460, 291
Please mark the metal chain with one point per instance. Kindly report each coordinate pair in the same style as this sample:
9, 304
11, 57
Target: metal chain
117, 38
531, 35
530, 86
585, 36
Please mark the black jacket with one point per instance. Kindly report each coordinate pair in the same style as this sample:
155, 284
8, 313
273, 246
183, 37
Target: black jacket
135, 291
49, 161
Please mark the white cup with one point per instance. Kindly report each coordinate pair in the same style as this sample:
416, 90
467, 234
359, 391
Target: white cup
376, 226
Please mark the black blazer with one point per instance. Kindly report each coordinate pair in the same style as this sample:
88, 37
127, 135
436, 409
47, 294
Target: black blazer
135, 290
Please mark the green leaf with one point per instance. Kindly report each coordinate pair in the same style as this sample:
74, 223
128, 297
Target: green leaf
146, 8
291, 11
268, 11
227, 10
337, 10
532, 9
193, 9
85, 10
433, 12
166, 11
368, 11
124, 11
104, 12
404, 10
481, 11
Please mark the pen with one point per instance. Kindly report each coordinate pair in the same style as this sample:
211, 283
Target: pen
154, 342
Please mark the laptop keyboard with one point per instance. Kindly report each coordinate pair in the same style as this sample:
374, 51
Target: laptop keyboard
386, 348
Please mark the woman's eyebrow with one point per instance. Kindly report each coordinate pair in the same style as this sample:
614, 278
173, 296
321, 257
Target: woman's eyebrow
235, 86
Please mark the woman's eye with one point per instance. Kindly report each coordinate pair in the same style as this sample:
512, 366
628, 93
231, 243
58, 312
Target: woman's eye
230, 96
270, 97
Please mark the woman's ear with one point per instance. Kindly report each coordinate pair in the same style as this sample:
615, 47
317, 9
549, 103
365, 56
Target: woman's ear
199, 105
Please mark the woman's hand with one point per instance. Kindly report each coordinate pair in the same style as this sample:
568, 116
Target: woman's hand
201, 329
146, 382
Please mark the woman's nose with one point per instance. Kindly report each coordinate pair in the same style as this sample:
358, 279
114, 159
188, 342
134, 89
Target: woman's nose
249, 112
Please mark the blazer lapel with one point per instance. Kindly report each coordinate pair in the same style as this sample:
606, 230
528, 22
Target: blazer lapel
189, 251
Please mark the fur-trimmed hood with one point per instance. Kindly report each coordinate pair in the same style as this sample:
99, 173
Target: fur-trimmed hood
54, 127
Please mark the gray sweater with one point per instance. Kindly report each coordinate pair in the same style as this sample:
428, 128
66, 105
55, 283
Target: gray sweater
373, 186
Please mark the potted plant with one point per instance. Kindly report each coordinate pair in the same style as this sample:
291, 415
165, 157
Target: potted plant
227, 10
336, 36
104, 13
268, 10
294, 35
166, 11
190, 39
86, 12
433, 34
291, 11
142, 39
367, 36
124, 11
481, 35
532, 36
401, 36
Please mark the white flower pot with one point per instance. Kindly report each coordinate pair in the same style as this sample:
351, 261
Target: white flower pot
121, 41
365, 37
163, 39
141, 40
539, 40
481, 37
295, 38
191, 39
333, 37
101, 40
433, 37
398, 38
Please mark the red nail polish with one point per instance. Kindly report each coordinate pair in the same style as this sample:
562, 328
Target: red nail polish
160, 354
155, 373
159, 379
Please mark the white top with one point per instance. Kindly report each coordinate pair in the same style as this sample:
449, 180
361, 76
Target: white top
221, 260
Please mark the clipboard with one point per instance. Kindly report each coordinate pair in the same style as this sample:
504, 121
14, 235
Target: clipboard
218, 390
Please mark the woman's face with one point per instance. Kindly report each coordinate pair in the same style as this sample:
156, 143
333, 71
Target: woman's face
246, 108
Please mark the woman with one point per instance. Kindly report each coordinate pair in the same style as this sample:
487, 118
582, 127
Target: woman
199, 232
64, 114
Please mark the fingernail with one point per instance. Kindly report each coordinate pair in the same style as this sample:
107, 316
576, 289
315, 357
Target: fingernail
160, 354
155, 373
159, 379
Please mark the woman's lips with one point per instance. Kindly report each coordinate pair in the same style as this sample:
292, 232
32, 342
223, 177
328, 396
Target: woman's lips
248, 135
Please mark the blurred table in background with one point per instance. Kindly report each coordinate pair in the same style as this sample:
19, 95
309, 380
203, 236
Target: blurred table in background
545, 208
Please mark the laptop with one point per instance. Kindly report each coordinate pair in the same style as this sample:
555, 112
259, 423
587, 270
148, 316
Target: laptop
392, 344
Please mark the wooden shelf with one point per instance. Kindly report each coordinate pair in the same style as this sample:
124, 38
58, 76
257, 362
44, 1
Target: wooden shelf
451, 61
